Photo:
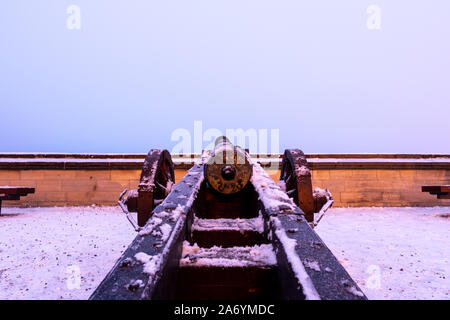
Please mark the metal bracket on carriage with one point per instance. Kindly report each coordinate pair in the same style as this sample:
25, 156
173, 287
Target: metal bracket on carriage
295, 180
157, 180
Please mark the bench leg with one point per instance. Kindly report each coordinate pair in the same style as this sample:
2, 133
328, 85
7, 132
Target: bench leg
0, 208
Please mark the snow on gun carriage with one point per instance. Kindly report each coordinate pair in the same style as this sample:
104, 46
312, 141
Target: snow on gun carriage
226, 231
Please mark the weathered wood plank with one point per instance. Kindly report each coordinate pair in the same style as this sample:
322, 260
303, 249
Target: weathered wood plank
307, 268
441, 192
130, 279
16, 190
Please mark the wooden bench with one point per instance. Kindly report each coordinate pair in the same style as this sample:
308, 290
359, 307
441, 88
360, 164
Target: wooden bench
442, 192
13, 193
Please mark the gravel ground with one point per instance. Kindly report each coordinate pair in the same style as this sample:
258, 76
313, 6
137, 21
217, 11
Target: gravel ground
392, 253
64, 253
44, 252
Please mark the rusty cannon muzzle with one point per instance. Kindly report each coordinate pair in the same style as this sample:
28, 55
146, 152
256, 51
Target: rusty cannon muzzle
228, 168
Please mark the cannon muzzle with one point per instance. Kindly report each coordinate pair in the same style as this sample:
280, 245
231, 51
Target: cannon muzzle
228, 169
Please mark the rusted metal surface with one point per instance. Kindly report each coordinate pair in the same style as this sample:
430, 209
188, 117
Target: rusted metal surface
229, 168
297, 177
130, 200
156, 181
323, 203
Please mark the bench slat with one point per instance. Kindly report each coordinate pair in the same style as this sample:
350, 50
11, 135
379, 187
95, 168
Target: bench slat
16, 190
441, 192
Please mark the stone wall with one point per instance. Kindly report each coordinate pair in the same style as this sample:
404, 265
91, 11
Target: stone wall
354, 180
383, 187
72, 187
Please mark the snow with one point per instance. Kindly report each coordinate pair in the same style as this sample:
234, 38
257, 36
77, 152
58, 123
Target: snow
312, 264
392, 253
253, 224
10, 187
351, 288
139, 158
178, 215
302, 276
165, 231
282, 185
301, 171
363, 160
150, 226
319, 192
154, 263
258, 255
151, 263
269, 192
142, 257
43, 250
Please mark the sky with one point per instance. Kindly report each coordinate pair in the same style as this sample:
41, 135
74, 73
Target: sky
135, 72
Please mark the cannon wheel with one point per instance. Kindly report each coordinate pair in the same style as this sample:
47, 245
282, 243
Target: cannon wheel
157, 179
297, 178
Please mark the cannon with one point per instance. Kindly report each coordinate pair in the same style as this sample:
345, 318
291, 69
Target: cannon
228, 169
226, 231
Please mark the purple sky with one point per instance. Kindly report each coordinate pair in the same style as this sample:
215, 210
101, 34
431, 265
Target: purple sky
138, 70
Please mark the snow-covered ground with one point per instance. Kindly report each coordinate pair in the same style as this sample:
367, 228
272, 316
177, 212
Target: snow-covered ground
43, 250
392, 253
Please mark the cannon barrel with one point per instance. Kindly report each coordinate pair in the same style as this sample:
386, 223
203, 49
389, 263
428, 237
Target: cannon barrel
228, 169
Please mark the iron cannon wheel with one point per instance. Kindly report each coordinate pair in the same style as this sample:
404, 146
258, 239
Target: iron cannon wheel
157, 179
296, 175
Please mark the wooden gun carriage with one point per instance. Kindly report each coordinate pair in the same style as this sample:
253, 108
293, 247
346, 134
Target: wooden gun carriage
226, 231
